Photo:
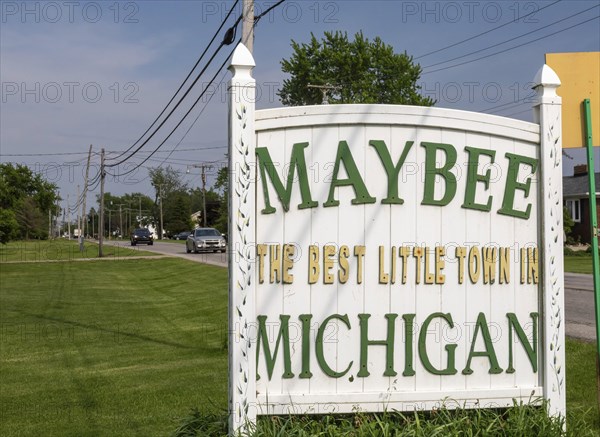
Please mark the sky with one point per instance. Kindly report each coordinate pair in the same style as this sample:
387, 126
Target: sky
75, 74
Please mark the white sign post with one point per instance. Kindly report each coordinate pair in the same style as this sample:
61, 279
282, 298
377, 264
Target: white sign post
392, 257
241, 234
547, 112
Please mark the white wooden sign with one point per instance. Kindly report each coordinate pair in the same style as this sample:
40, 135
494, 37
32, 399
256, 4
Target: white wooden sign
393, 257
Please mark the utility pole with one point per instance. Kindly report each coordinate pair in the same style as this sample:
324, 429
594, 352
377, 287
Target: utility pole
161, 211
203, 167
69, 223
85, 190
204, 195
57, 230
324, 89
101, 218
248, 24
120, 221
63, 219
140, 216
49, 223
78, 216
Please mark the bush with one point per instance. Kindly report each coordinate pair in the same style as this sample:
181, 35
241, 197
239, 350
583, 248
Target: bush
589, 250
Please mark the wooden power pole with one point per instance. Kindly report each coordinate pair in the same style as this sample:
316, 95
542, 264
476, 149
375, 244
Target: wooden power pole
101, 218
204, 196
248, 24
161, 211
85, 190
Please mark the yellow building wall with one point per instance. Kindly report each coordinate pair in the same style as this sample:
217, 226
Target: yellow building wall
579, 74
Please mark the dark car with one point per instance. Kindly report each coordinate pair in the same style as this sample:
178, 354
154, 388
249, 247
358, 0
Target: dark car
143, 236
182, 235
205, 240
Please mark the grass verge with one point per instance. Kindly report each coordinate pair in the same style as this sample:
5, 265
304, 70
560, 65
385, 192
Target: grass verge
61, 250
578, 263
116, 348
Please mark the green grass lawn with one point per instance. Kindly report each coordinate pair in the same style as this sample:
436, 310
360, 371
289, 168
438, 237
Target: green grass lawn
122, 347
129, 347
173, 241
61, 249
581, 383
578, 264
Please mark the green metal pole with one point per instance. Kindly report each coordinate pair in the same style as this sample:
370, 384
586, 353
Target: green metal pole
593, 217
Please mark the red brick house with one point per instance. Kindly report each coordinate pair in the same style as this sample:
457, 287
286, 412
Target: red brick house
577, 200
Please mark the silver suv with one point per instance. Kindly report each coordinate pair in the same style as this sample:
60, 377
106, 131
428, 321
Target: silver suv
205, 240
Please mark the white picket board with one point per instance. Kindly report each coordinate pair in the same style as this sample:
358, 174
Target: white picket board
375, 225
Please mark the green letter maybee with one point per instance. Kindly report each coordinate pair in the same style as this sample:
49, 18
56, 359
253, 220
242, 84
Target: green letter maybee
444, 171
354, 178
297, 160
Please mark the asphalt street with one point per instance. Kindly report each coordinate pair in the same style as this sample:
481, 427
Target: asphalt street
579, 306
173, 248
579, 297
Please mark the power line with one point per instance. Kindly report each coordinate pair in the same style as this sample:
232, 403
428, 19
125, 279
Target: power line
45, 154
486, 32
178, 124
173, 110
511, 48
512, 39
517, 113
507, 108
122, 152
185, 80
194, 149
492, 109
191, 125
258, 17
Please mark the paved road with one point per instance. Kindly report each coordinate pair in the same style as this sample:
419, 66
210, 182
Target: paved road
579, 306
178, 250
579, 297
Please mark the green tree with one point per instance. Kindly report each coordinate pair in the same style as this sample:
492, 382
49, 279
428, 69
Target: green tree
177, 212
129, 212
167, 181
26, 199
568, 224
360, 71
221, 187
32, 222
9, 227
213, 205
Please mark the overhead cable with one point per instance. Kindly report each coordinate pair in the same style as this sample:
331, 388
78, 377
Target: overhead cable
184, 81
487, 31
511, 48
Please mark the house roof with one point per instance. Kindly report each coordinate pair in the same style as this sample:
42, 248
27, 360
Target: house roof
578, 186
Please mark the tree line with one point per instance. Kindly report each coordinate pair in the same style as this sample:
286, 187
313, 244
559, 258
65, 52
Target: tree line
27, 201
179, 201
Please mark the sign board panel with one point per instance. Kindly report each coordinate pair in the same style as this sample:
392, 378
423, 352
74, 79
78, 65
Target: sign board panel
408, 251
391, 258
580, 79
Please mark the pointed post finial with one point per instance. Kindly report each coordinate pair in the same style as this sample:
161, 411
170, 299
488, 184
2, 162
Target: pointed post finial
242, 62
546, 82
